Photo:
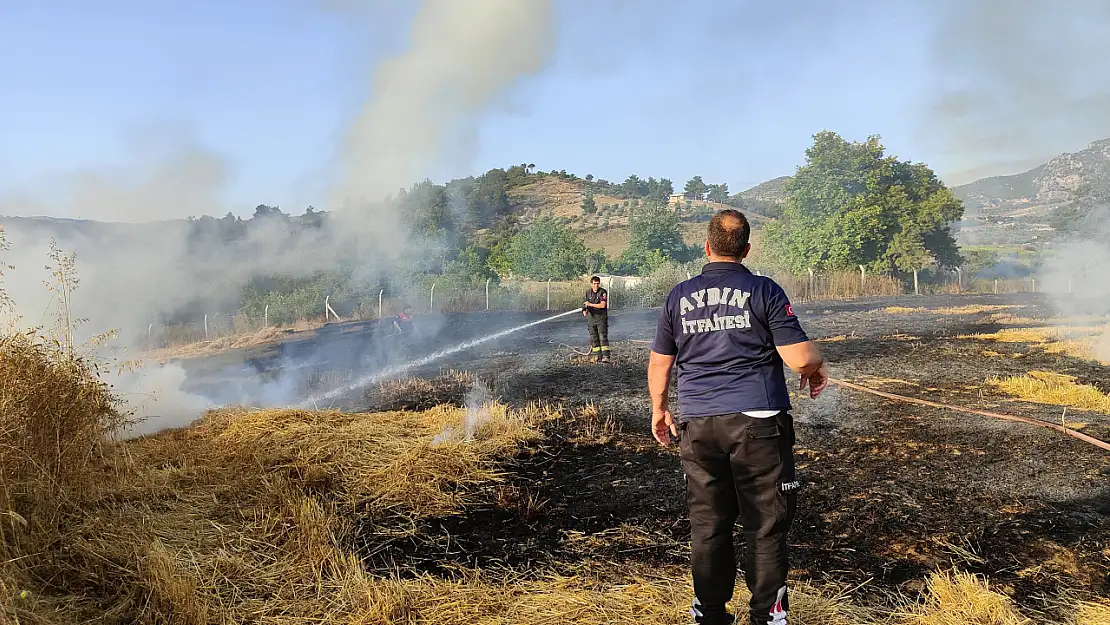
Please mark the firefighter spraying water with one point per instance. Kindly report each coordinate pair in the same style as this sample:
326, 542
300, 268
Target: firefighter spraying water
430, 358
596, 311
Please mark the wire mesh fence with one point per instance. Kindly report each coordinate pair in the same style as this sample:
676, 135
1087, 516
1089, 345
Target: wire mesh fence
626, 292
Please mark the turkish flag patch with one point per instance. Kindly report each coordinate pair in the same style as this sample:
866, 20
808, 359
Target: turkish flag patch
789, 310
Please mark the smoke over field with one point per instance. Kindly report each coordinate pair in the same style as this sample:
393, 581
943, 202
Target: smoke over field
1017, 81
422, 108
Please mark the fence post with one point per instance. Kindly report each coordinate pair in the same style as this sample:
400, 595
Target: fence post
266, 316
206, 326
810, 289
609, 303
149, 339
432, 298
1034, 284
1069, 286
326, 317
862, 279
549, 293
959, 280
487, 292
996, 286
381, 313
916, 291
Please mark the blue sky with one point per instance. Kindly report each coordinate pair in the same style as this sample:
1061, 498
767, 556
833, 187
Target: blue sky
730, 90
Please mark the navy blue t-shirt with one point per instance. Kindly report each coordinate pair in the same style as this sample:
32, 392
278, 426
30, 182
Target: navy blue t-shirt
723, 326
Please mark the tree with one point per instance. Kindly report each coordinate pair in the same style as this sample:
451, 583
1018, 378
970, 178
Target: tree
596, 262
589, 177
471, 266
634, 187
695, 188
589, 206
718, 193
312, 218
427, 211
979, 260
660, 190
656, 233
426, 207
547, 250
851, 205
488, 198
263, 212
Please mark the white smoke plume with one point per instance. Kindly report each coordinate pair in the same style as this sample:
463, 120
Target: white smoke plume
464, 56
1017, 82
1074, 275
424, 107
155, 395
477, 402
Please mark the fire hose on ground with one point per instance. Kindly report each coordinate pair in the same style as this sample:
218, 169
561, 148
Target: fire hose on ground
983, 413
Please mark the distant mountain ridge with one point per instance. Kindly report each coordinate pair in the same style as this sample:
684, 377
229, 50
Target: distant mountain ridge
1012, 208
1058, 180
1025, 207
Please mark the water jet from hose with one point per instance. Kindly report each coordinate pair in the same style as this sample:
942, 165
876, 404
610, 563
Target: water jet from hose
316, 400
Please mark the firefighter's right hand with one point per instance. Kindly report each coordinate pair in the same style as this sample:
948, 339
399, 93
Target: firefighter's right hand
662, 425
585, 313
816, 381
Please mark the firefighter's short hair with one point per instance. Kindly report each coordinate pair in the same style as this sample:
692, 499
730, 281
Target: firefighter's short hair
595, 279
729, 232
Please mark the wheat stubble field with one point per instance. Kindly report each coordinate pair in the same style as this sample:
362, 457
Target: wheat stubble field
517, 483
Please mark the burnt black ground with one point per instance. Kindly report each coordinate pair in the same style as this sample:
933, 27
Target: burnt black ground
891, 491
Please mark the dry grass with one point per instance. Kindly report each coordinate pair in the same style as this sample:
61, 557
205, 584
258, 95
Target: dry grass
1010, 319
837, 285
54, 416
1092, 612
593, 427
957, 598
613, 240
258, 516
1089, 342
450, 387
250, 514
972, 309
1044, 387
227, 343
839, 338
250, 517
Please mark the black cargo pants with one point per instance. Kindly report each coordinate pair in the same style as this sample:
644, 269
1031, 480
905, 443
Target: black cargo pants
739, 466
598, 326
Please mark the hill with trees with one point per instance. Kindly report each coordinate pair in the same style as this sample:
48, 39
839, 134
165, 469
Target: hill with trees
850, 204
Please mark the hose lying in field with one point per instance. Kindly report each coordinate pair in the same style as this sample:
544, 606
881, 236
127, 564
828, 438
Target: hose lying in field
984, 413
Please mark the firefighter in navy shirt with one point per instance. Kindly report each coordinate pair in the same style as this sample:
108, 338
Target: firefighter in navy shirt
596, 311
729, 332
